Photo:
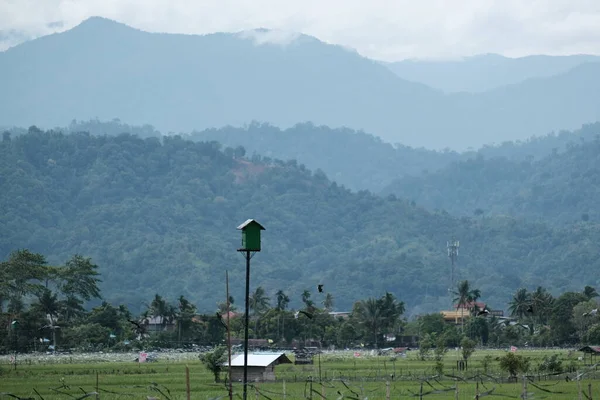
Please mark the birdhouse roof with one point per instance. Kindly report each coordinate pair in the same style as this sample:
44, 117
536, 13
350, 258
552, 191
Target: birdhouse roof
250, 222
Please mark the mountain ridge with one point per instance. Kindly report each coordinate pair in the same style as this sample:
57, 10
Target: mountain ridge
181, 83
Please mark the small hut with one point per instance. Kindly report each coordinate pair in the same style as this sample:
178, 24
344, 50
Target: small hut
593, 351
261, 367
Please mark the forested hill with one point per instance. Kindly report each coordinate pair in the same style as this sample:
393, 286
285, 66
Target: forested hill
563, 187
357, 160
160, 217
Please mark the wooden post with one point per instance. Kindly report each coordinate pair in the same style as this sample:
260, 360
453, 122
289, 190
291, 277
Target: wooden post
228, 337
323, 391
477, 391
97, 390
387, 390
524, 394
187, 382
256, 391
456, 390
589, 391
284, 396
421, 391
579, 389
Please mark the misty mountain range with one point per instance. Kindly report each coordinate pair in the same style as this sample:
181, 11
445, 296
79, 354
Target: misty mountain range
179, 83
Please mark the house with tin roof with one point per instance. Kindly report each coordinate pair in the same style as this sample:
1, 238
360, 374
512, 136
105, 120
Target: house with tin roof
261, 366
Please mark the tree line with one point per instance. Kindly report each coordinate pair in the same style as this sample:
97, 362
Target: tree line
43, 307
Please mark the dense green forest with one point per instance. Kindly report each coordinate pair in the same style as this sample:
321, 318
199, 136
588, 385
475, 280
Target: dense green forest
562, 187
355, 159
364, 162
159, 216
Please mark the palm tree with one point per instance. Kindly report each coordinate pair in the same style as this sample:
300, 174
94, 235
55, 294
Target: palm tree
541, 304
307, 301
375, 315
185, 313
369, 314
258, 303
282, 300
159, 308
464, 296
520, 304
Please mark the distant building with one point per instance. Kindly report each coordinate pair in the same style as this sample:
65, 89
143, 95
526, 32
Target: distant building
261, 366
340, 314
462, 312
158, 324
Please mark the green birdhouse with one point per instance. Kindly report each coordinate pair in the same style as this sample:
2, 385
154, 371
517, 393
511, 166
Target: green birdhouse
251, 235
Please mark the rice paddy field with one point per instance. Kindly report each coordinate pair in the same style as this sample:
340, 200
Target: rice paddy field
338, 375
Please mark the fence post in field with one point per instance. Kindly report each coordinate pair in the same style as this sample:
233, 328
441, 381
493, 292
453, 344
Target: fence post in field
97, 390
456, 390
284, 390
323, 391
477, 391
590, 391
524, 394
387, 390
421, 391
579, 388
187, 382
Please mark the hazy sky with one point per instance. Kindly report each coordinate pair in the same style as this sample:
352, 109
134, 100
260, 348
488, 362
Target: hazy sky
382, 29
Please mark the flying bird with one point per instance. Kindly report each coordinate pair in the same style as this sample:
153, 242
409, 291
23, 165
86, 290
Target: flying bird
136, 324
309, 315
593, 312
320, 288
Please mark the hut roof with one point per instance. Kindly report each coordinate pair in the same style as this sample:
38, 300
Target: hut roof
260, 360
590, 349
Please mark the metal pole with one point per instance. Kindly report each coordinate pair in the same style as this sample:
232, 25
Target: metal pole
245, 382
228, 335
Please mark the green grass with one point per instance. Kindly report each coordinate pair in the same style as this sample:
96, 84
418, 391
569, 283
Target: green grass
365, 376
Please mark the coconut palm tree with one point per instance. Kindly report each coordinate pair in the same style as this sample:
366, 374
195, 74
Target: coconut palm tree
520, 305
464, 296
376, 315
258, 303
307, 301
282, 300
541, 305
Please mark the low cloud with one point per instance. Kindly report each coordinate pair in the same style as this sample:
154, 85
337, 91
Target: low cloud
270, 36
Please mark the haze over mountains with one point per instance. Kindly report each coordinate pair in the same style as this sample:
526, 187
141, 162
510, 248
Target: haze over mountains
184, 82
168, 206
486, 71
